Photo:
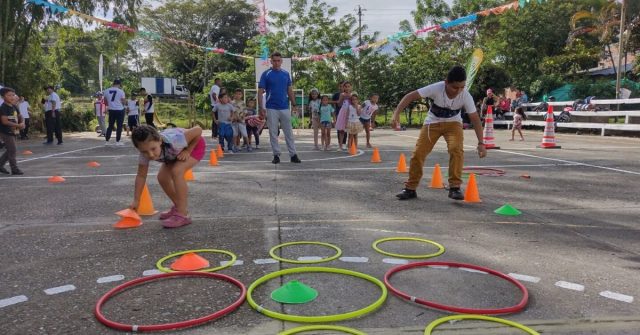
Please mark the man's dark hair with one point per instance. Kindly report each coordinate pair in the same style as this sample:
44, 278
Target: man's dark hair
456, 74
6, 90
143, 133
238, 90
276, 54
141, 89
222, 95
373, 95
216, 79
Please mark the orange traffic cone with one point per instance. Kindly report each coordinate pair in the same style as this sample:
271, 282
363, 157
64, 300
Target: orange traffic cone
146, 204
352, 149
213, 158
402, 165
219, 151
56, 179
549, 136
190, 262
127, 222
472, 194
375, 157
487, 136
27, 152
188, 175
436, 178
93, 164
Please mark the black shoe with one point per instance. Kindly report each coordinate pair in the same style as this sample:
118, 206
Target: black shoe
59, 142
17, 172
276, 160
407, 194
455, 193
3, 170
295, 159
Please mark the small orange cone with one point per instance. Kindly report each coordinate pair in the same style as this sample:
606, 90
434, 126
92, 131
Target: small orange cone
352, 149
402, 165
127, 222
27, 152
375, 158
188, 175
436, 178
219, 151
128, 213
56, 179
213, 158
472, 194
93, 164
146, 204
190, 262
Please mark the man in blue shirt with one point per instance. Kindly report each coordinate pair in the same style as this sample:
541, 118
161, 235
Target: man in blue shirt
276, 82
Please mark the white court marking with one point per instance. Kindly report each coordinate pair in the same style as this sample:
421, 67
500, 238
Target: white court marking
13, 300
151, 272
473, 270
439, 266
236, 263
265, 261
354, 259
617, 296
309, 258
109, 279
530, 279
395, 261
57, 154
570, 286
59, 289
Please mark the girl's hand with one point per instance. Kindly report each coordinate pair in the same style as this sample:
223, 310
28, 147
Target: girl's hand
184, 155
134, 205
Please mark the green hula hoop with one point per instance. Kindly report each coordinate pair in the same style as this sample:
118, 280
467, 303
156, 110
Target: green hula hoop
437, 322
273, 255
322, 327
212, 269
437, 253
324, 318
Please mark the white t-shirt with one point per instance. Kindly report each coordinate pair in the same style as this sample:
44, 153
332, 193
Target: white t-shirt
24, 109
353, 114
215, 89
149, 105
133, 107
437, 93
99, 107
114, 96
368, 110
53, 102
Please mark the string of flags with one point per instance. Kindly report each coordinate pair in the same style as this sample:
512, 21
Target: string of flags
262, 29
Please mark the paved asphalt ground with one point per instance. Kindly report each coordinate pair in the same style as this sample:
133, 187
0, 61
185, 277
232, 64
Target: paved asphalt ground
575, 247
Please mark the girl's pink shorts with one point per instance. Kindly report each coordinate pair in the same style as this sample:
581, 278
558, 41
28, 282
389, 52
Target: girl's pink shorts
199, 150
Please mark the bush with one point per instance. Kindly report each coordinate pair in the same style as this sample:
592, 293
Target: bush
599, 89
76, 120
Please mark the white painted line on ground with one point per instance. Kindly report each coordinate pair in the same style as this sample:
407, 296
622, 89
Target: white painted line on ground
395, 261
13, 300
309, 258
531, 279
236, 263
59, 289
439, 266
354, 259
617, 296
151, 272
109, 279
473, 270
265, 261
57, 154
570, 286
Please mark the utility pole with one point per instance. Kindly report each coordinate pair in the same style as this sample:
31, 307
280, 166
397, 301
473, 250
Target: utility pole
359, 25
621, 68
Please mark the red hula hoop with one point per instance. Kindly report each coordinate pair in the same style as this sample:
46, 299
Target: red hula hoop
455, 309
175, 325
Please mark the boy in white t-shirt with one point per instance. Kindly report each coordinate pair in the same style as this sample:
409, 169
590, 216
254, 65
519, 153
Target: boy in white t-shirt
25, 113
52, 109
448, 100
116, 102
132, 112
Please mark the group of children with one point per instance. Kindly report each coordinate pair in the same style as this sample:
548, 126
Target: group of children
236, 120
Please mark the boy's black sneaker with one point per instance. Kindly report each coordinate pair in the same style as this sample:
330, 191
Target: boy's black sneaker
276, 160
456, 194
295, 159
17, 172
407, 194
3, 170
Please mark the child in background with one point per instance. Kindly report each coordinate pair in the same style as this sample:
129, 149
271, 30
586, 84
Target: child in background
100, 108
132, 112
237, 120
354, 126
7, 111
178, 150
225, 130
368, 111
254, 124
25, 113
327, 117
314, 111
518, 117
343, 112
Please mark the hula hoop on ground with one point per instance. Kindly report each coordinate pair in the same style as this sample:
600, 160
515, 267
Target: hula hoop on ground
323, 318
509, 323
482, 171
273, 255
175, 325
212, 269
455, 309
437, 253
321, 327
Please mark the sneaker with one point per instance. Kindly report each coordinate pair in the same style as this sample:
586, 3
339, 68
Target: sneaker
176, 220
3, 170
59, 142
257, 146
295, 159
119, 144
168, 214
107, 144
407, 194
456, 194
235, 150
316, 148
276, 160
249, 148
17, 172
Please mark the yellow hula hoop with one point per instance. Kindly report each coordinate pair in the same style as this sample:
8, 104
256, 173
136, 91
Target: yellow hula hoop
273, 255
322, 327
323, 318
212, 269
437, 253
509, 323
